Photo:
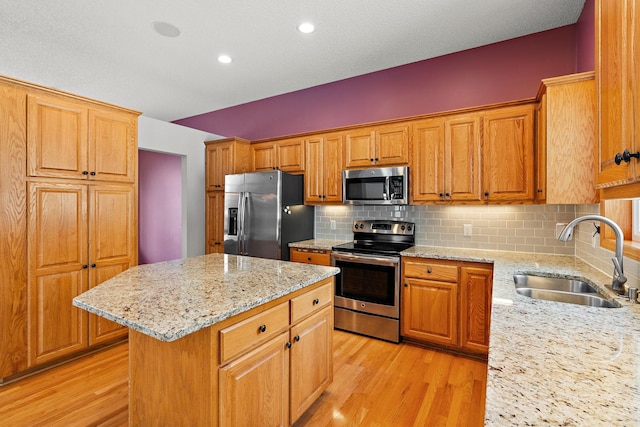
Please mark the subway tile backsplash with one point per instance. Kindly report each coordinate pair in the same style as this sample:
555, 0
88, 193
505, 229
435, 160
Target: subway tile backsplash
521, 228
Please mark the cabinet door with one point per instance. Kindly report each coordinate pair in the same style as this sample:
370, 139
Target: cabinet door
392, 145
427, 166
475, 312
291, 155
215, 222
332, 166
254, 389
430, 311
113, 246
314, 174
462, 158
360, 148
263, 157
57, 271
56, 138
541, 149
311, 360
507, 154
219, 162
113, 147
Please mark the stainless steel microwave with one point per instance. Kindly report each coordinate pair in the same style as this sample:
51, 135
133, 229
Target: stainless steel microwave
376, 186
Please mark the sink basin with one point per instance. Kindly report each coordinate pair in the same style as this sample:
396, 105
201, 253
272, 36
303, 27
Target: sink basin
558, 289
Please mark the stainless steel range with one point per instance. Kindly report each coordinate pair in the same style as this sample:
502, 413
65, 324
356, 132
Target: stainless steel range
367, 299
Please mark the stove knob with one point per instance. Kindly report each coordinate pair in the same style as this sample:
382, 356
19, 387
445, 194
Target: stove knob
409, 228
402, 228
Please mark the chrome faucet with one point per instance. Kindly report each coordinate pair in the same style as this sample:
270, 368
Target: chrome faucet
619, 279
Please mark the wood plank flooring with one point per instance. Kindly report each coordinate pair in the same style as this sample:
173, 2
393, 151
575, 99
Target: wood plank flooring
375, 384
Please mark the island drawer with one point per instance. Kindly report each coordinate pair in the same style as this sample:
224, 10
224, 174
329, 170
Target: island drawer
430, 270
311, 256
312, 301
253, 331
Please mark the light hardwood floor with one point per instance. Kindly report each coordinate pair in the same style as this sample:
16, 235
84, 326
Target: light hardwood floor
375, 384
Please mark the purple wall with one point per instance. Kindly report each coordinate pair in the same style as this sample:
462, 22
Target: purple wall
499, 72
585, 49
160, 207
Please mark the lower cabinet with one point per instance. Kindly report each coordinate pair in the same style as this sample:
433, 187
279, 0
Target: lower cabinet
447, 303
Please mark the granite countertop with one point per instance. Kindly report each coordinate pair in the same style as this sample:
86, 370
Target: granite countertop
323, 244
169, 300
555, 363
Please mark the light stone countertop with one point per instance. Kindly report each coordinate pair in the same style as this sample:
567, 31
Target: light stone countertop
554, 363
169, 300
323, 244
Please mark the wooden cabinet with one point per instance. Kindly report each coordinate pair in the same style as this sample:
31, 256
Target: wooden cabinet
310, 256
323, 173
565, 143
285, 155
68, 174
445, 165
79, 236
618, 91
447, 303
222, 157
377, 146
508, 154
67, 139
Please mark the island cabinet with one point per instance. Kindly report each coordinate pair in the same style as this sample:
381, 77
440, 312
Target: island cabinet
384, 145
447, 304
286, 155
508, 154
445, 165
222, 157
262, 367
566, 148
311, 256
618, 91
323, 173
68, 191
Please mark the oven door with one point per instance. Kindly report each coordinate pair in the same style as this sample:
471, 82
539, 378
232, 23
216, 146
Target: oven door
368, 283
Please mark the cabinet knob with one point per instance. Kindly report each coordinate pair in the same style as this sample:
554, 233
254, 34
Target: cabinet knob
441, 195
85, 172
406, 285
486, 194
447, 194
626, 156
316, 301
429, 270
377, 159
371, 159
296, 338
308, 258
92, 173
85, 266
262, 328
93, 265
539, 190
288, 344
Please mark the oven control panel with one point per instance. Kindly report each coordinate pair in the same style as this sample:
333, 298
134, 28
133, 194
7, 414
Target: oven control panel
384, 227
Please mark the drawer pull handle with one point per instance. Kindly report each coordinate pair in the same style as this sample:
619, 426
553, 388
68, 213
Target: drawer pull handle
296, 338
308, 258
429, 270
262, 328
316, 301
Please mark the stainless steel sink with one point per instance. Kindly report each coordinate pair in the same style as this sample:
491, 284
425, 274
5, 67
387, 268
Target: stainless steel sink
558, 289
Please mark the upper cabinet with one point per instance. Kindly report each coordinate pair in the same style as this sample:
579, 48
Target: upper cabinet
566, 148
508, 154
445, 165
377, 146
286, 155
223, 157
323, 174
618, 88
69, 139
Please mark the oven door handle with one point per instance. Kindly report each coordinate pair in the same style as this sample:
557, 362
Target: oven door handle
367, 259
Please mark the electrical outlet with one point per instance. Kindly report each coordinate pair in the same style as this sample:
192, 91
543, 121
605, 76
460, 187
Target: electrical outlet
468, 229
332, 224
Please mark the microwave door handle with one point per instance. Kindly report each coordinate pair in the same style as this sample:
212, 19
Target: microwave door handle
387, 186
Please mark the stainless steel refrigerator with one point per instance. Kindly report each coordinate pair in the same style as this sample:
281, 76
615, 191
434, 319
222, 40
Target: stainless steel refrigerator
264, 212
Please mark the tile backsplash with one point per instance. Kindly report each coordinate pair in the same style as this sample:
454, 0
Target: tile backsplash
521, 228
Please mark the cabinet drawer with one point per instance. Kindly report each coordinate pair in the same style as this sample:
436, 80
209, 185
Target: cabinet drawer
431, 271
253, 331
311, 256
312, 301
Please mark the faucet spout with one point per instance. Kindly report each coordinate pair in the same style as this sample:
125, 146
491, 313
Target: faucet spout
619, 278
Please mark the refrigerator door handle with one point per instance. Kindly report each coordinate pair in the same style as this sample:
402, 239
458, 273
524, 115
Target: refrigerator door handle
241, 217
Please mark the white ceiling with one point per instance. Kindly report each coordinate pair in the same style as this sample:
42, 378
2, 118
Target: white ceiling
108, 49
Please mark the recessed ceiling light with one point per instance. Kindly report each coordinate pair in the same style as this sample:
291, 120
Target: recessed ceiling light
166, 29
225, 59
306, 28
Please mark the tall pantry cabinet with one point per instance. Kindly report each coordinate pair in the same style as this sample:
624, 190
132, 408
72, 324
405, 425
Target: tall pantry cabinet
68, 192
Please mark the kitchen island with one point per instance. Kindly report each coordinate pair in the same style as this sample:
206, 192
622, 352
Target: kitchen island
221, 339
